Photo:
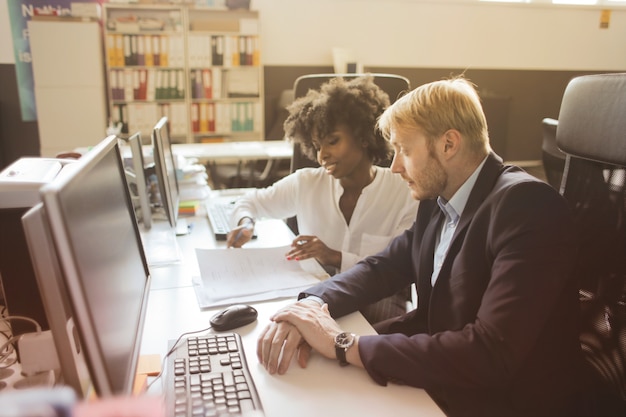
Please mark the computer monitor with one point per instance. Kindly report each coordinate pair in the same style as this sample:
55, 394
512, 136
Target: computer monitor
91, 219
56, 303
165, 167
137, 182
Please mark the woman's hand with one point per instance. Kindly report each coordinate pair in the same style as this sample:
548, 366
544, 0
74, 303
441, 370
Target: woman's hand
240, 234
305, 247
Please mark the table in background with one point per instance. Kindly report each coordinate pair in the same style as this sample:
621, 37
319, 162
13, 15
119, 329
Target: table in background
235, 151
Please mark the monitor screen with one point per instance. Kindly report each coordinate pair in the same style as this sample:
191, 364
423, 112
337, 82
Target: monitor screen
99, 248
137, 182
165, 168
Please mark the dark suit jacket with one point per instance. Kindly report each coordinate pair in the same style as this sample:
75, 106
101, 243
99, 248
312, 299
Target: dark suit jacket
497, 334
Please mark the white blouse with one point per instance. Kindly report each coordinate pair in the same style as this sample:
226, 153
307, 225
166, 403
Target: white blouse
384, 209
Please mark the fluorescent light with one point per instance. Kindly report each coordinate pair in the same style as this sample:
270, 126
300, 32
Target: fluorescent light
507, 1
579, 2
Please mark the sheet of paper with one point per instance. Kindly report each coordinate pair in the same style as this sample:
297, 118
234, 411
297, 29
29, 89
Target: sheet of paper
251, 274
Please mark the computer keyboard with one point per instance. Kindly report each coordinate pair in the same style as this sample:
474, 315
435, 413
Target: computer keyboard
209, 376
219, 216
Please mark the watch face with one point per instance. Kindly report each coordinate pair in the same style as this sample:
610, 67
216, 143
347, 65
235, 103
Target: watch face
344, 340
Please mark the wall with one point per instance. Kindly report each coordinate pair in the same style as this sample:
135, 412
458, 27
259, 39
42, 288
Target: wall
524, 54
441, 34
520, 56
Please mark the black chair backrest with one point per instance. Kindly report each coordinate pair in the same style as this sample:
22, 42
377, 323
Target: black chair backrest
592, 133
552, 157
392, 84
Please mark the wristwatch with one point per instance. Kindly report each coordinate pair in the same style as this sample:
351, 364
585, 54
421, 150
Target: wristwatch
343, 342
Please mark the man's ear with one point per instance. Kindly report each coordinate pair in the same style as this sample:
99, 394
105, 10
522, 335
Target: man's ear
451, 142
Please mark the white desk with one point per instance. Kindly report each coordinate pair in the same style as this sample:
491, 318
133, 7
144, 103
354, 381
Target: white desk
235, 151
323, 388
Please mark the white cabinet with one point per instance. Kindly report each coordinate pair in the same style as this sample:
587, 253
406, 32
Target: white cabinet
69, 83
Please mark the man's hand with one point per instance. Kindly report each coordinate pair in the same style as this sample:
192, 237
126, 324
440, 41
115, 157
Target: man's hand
280, 341
296, 329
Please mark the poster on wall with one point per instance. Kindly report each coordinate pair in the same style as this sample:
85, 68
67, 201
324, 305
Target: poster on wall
20, 12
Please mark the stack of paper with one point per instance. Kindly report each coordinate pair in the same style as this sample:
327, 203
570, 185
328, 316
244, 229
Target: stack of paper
251, 274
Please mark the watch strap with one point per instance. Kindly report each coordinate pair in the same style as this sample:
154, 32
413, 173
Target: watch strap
340, 352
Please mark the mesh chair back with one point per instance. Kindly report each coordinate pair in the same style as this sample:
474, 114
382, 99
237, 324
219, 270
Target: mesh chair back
592, 133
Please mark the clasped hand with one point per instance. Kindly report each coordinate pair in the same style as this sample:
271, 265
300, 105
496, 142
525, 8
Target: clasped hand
294, 330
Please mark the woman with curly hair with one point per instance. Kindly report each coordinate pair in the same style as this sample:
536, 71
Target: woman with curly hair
349, 207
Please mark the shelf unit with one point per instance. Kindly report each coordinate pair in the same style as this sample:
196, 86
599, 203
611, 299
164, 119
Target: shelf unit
199, 66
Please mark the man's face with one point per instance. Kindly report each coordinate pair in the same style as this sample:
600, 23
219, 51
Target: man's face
417, 163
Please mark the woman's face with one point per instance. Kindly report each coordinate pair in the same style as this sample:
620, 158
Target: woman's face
340, 153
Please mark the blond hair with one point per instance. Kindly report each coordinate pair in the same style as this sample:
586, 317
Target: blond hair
436, 107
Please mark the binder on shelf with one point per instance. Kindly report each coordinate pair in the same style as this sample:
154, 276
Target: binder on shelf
195, 78
143, 84
211, 116
249, 118
136, 83
158, 85
110, 48
127, 51
133, 49
204, 121
207, 83
241, 53
141, 51
128, 85
217, 50
148, 58
256, 52
156, 50
165, 49
195, 118
119, 50
216, 75
249, 51
180, 84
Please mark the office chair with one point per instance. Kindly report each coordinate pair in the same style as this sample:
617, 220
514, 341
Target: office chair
394, 85
591, 134
552, 157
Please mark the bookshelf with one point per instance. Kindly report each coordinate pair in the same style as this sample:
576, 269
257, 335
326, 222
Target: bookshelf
199, 66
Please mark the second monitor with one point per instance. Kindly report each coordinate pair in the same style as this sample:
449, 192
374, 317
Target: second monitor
165, 167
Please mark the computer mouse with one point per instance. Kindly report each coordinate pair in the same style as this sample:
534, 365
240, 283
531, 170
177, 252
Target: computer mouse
236, 315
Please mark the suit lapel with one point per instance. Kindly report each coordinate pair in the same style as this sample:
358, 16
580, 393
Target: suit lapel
484, 185
426, 259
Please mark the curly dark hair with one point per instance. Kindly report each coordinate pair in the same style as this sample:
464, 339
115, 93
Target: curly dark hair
356, 103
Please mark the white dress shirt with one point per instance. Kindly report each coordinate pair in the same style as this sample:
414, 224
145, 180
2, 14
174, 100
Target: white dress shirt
452, 210
384, 209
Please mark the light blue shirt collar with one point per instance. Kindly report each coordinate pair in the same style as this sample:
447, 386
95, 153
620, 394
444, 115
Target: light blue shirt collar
454, 208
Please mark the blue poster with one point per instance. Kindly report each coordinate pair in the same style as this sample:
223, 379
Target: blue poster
20, 12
